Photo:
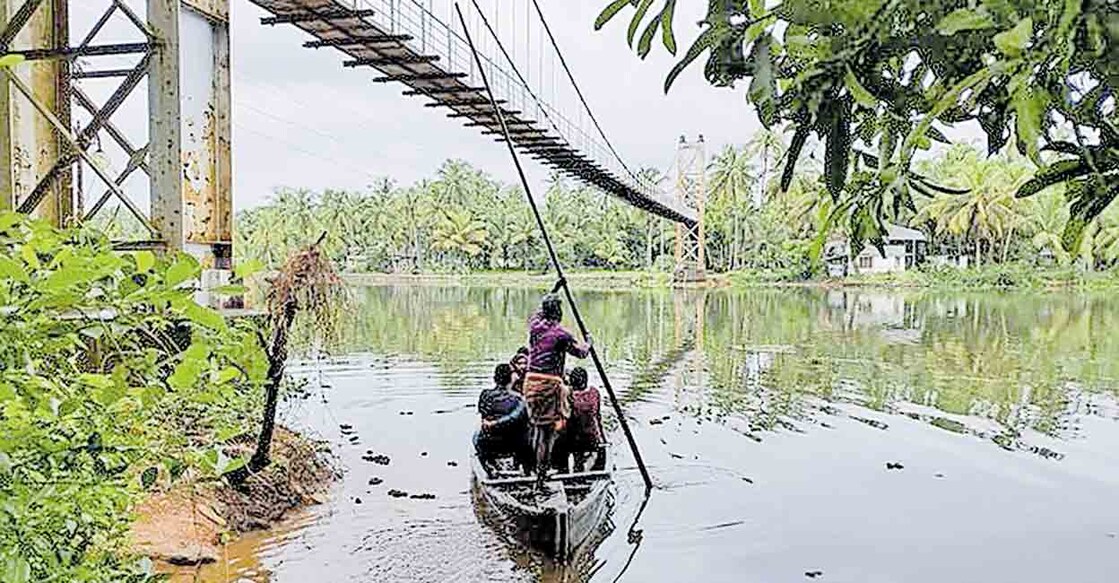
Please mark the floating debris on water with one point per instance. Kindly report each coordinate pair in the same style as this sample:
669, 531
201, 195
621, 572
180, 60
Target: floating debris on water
894, 466
381, 460
813, 574
375, 481
424, 496
357, 500
423, 454
453, 464
398, 493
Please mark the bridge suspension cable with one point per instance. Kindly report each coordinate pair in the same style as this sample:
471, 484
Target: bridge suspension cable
407, 43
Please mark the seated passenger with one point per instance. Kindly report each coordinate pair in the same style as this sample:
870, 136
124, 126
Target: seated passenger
520, 368
584, 429
504, 430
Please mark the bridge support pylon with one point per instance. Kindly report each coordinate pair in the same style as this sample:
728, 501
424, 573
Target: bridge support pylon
691, 171
67, 156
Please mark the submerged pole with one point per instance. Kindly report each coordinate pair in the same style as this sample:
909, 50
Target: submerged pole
552, 254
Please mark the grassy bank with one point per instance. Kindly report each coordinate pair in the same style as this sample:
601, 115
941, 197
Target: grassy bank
1002, 276
584, 280
1008, 276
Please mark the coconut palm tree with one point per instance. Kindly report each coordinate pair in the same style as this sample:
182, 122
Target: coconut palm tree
1046, 215
731, 179
988, 213
458, 232
768, 147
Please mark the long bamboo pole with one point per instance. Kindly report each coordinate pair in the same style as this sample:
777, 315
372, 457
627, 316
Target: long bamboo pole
552, 253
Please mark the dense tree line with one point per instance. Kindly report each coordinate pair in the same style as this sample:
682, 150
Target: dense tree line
464, 220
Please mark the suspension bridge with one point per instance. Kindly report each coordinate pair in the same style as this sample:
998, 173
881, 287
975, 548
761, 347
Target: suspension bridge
62, 106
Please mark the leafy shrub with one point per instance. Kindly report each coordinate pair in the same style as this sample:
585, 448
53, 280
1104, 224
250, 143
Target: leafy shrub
112, 380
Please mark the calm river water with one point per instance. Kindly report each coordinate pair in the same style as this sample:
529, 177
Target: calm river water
768, 419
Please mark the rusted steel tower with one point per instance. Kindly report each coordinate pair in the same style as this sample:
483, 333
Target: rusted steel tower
71, 145
691, 171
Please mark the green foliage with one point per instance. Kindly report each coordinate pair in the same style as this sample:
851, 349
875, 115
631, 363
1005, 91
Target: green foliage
112, 380
873, 79
461, 221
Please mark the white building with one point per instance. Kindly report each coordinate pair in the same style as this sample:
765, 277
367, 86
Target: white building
904, 248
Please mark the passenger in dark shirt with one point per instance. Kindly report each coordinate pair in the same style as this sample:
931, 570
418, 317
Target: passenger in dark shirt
520, 369
505, 430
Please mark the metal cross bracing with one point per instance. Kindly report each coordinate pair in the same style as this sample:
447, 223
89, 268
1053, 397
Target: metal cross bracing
408, 44
691, 173
117, 128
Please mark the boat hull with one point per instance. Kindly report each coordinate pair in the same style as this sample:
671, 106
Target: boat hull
557, 520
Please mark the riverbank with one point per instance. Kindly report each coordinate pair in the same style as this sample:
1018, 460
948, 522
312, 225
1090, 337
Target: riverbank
187, 526
583, 280
988, 277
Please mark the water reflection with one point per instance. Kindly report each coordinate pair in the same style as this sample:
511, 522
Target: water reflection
769, 418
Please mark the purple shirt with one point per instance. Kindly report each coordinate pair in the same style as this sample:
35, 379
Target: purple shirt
548, 345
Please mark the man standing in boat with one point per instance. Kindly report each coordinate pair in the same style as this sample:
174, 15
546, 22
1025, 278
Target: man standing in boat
545, 392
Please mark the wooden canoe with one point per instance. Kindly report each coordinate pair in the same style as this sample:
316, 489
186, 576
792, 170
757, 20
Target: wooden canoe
557, 520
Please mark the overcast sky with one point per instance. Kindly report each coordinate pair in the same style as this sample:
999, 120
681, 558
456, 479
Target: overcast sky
301, 119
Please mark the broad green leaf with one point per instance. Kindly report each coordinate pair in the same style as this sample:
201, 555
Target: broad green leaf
763, 84
1012, 42
837, 154
638, 16
248, 268
228, 374
609, 12
148, 477
174, 467
17, 570
800, 137
197, 350
12, 269
204, 316
97, 381
67, 276
30, 257
145, 260
861, 95
702, 44
185, 267
1055, 173
9, 219
229, 290
962, 20
232, 465
646, 43
1029, 108
11, 60
186, 373
667, 36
